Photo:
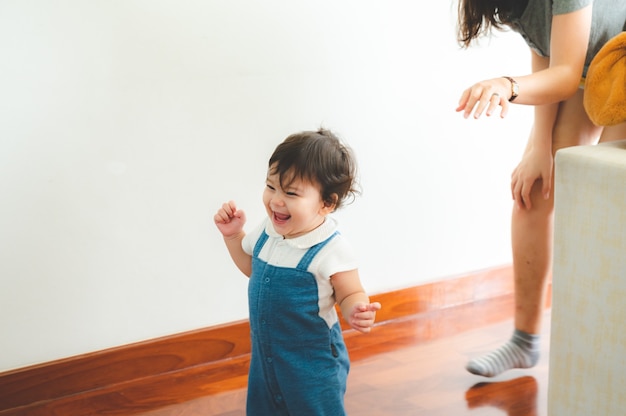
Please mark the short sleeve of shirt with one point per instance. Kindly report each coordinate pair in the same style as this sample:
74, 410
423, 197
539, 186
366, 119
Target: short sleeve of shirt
535, 23
251, 238
567, 6
338, 256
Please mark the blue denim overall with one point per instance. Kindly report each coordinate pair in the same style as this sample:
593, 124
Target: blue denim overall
299, 366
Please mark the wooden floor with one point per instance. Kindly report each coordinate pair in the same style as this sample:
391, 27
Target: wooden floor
424, 379
412, 366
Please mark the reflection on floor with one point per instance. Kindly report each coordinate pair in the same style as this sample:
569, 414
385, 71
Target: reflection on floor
427, 378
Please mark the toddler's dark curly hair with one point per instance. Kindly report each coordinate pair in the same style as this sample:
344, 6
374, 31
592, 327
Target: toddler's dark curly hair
320, 158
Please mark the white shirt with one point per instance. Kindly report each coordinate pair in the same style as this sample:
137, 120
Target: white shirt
336, 256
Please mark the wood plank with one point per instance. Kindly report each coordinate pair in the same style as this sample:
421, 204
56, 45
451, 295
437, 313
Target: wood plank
223, 349
100, 369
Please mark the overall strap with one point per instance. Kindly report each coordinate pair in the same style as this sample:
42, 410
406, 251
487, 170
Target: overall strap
260, 243
312, 252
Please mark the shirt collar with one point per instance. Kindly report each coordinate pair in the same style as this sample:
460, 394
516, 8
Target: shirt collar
321, 233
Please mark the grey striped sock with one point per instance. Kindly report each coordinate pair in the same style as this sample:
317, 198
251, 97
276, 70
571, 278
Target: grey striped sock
522, 351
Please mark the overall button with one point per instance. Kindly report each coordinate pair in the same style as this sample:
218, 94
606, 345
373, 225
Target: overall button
268, 359
267, 280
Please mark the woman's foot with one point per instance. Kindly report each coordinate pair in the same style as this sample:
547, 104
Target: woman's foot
522, 351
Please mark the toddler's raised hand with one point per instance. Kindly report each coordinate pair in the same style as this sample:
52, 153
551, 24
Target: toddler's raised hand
229, 220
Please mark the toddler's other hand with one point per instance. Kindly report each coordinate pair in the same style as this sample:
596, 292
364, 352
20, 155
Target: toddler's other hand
363, 316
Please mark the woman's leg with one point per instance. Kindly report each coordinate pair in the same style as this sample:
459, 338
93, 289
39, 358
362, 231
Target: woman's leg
611, 133
531, 230
531, 235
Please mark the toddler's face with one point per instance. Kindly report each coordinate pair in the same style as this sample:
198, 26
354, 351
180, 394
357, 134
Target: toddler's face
296, 210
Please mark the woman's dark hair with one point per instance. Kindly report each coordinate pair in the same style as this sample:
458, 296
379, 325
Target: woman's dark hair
478, 17
318, 157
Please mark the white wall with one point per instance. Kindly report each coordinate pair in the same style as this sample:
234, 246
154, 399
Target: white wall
125, 124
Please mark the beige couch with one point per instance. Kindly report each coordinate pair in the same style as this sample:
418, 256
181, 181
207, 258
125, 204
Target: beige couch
588, 326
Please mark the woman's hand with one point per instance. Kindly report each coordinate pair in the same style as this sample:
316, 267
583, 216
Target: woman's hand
536, 164
486, 95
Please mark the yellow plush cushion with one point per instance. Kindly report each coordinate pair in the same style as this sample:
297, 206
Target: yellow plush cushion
605, 87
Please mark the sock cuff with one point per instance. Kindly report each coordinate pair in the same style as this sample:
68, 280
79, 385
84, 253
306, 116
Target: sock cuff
526, 340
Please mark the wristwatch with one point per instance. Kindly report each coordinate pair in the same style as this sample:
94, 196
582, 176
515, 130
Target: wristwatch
514, 88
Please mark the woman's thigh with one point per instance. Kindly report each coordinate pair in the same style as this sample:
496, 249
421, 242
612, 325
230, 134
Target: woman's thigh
572, 126
611, 133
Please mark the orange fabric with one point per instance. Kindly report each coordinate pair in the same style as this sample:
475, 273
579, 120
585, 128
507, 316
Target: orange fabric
605, 87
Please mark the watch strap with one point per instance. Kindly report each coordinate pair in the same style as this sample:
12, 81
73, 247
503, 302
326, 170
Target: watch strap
514, 88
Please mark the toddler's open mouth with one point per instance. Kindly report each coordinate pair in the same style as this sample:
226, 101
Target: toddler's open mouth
281, 218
